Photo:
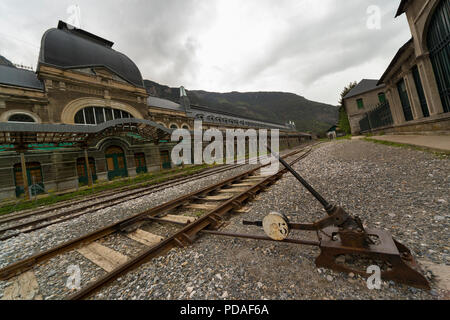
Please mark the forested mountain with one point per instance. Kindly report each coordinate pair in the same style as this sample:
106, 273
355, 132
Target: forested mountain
277, 107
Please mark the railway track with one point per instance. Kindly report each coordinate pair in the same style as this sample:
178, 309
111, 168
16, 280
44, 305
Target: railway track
192, 215
43, 218
106, 193
109, 193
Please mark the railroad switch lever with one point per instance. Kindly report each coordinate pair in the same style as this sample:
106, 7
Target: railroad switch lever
339, 218
341, 234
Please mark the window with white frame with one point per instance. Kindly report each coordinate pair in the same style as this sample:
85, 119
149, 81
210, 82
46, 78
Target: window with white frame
98, 115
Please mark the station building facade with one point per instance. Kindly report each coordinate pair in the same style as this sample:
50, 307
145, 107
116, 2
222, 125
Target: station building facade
81, 83
364, 97
417, 81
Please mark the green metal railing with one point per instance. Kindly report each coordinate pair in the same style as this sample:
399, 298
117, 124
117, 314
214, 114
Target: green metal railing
379, 117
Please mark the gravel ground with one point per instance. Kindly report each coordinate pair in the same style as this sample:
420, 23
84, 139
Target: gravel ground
28, 244
25, 245
400, 190
54, 275
70, 204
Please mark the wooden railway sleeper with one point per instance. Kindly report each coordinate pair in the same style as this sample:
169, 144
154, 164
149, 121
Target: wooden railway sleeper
237, 204
128, 222
216, 221
188, 238
179, 243
251, 195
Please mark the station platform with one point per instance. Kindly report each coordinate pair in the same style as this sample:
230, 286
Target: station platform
437, 142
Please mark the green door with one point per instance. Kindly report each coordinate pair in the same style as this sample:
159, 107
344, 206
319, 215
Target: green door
406, 106
165, 160
116, 163
34, 177
82, 170
420, 92
141, 166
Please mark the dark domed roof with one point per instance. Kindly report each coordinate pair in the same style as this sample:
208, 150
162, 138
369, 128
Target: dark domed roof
71, 48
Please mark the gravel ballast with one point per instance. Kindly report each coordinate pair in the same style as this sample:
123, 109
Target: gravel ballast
400, 190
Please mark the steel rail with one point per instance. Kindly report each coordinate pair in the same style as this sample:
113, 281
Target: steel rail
183, 237
175, 179
76, 212
107, 193
28, 263
42, 210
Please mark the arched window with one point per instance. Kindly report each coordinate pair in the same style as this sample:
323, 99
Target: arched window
186, 127
438, 39
20, 117
98, 115
173, 126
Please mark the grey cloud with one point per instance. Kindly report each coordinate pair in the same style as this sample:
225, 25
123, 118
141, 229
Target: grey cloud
159, 35
341, 36
164, 37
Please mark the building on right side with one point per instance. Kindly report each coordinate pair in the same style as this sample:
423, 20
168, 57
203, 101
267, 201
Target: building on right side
417, 81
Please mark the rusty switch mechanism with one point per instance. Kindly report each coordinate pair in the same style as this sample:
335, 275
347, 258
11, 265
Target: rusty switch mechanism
341, 234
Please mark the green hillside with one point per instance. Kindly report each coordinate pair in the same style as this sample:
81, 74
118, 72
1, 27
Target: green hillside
270, 106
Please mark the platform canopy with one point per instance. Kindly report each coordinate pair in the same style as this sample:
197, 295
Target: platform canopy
38, 136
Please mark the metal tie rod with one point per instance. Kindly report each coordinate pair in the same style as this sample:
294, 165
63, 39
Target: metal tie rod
328, 207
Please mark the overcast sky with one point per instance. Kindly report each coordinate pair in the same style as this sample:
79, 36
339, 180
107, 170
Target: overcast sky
309, 47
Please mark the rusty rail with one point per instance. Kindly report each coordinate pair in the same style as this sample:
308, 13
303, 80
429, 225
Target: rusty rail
28, 263
134, 194
107, 193
185, 236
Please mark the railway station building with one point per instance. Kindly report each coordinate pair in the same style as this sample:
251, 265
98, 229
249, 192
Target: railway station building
417, 81
86, 115
364, 97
